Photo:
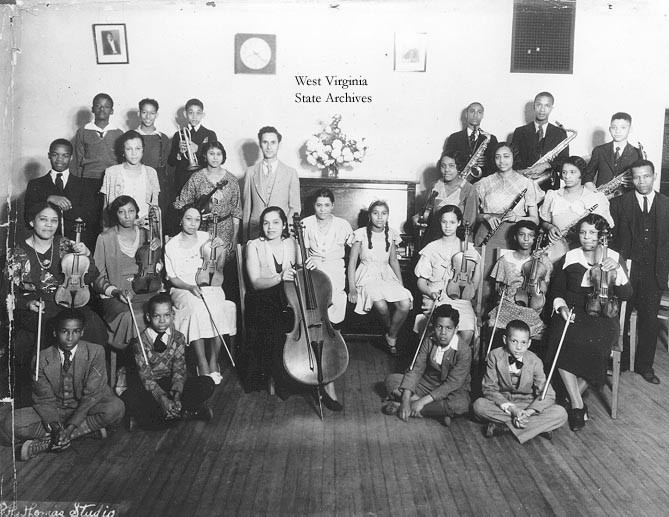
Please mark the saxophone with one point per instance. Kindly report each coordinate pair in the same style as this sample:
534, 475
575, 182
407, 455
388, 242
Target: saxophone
613, 188
540, 177
472, 169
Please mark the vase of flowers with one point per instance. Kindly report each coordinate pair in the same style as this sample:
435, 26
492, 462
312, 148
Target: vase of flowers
331, 149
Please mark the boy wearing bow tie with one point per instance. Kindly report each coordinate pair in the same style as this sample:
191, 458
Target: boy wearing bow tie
512, 388
159, 392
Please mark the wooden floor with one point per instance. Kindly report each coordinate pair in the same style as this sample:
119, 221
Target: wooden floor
265, 456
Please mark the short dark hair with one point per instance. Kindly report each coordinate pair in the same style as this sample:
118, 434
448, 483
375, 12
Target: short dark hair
118, 203
577, 162
447, 311
214, 145
525, 223
545, 94
453, 155
182, 211
153, 103
66, 315
324, 192
285, 233
475, 102
36, 208
158, 299
61, 141
101, 96
194, 102
516, 325
596, 220
129, 135
268, 129
510, 145
643, 163
621, 115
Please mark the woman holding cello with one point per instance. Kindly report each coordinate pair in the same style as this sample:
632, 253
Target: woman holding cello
202, 313
589, 273
36, 268
116, 256
440, 262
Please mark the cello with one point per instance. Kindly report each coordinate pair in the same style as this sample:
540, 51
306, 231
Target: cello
532, 293
461, 286
147, 279
74, 292
213, 262
600, 301
314, 352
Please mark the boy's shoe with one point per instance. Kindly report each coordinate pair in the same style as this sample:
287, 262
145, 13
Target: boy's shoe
390, 408
32, 448
548, 435
494, 429
576, 418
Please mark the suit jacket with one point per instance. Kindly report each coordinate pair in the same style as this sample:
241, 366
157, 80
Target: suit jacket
601, 164
90, 382
623, 212
285, 194
84, 201
498, 387
460, 142
455, 367
199, 137
528, 150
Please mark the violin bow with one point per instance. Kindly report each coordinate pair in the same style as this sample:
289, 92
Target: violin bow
557, 353
39, 338
134, 322
494, 327
213, 323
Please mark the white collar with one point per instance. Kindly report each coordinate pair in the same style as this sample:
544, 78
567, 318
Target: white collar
194, 128
470, 130
62, 354
543, 127
152, 334
110, 127
453, 343
141, 131
650, 197
65, 173
622, 145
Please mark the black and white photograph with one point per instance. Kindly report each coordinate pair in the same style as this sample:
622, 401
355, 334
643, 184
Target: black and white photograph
111, 44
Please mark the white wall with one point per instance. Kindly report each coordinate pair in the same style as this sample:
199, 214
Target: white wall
181, 50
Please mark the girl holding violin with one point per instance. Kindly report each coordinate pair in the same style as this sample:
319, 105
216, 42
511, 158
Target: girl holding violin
377, 281
565, 206
35, 270
497, 193
591, 269
450, 189
215, 190
116, 256
440, 261
196, 306
131, 177
325, 238
515, 273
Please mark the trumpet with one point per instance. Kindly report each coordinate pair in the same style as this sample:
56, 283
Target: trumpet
184, 138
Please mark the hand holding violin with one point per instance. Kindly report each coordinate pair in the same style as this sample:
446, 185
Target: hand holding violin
79, 248
609, 264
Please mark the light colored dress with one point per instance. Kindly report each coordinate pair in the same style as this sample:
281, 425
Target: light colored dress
375, 280
191, 315
434, 265
143, 187
560, 212
326, 249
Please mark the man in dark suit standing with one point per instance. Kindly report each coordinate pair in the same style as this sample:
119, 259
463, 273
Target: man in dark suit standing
467, 141
539, 137
611, 159
67, 191
642, 234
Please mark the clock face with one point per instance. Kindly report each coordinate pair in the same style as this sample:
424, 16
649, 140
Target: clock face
255, 53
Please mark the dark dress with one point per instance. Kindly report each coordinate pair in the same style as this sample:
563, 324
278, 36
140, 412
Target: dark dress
587, 344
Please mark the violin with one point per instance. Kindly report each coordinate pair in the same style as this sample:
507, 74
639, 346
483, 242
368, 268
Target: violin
314, 352
213, 261
425, 215
601, 302
532, 293
461, 285
74, 292
203, 203
147, 279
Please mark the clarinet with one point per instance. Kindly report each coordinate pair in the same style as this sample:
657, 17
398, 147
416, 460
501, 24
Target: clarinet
506, 212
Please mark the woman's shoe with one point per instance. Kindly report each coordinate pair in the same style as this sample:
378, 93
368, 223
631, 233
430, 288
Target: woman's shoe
576, 419
390, 345
329, 402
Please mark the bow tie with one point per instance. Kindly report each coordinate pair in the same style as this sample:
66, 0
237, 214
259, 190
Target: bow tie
517, 362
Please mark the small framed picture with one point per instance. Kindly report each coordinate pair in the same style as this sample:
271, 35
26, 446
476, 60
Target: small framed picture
111, 43
410, 51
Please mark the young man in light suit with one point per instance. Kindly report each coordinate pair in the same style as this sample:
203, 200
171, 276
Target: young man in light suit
512, 388
269, 182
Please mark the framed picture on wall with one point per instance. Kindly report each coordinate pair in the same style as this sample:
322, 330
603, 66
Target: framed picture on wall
410, 51
111, 43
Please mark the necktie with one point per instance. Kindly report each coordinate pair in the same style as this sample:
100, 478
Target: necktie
517, 362
472, 140
645, 205
539, 135
616, 157
67, 362
192, 129
59, 182
158, 343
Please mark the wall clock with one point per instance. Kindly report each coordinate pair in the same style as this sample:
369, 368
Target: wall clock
255, 53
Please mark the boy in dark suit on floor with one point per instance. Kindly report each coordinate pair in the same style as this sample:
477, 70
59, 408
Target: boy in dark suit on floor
512, 388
